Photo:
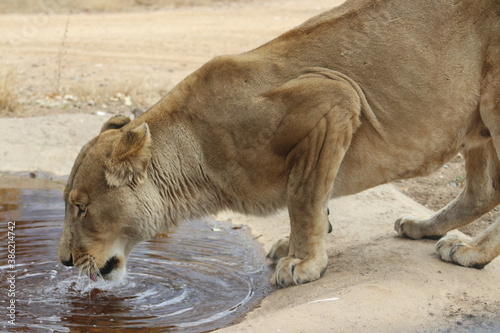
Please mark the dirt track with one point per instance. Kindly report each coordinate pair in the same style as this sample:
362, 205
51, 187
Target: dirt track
141, 54
109, 63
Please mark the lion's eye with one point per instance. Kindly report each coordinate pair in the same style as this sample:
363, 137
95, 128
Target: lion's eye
82, 208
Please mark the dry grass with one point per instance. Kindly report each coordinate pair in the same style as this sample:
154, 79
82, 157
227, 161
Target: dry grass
83, 95
9, 97
62, 52
130, 93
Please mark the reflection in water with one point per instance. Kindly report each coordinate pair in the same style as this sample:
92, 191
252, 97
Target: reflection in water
204, 276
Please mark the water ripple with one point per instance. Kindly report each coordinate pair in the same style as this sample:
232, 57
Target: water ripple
204, 276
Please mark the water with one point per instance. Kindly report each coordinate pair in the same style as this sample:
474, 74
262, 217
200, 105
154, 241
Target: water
204, 276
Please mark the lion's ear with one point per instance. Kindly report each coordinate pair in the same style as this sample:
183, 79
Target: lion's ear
115, 122
130, 157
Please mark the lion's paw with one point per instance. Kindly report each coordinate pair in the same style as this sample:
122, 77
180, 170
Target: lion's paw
460, 250
279, 250
408, 226
293, 271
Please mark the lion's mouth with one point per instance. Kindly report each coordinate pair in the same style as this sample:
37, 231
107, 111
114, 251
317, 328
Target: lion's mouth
108, 267
88, 266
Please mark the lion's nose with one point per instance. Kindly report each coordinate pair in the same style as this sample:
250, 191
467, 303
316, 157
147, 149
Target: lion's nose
68, 262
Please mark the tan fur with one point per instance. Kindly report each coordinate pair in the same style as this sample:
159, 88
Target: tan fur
367, 93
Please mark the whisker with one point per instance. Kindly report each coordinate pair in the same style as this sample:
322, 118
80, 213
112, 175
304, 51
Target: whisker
90, 272
97, 273
86, 265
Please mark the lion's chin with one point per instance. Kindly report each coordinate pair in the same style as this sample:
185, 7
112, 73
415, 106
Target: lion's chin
117, 275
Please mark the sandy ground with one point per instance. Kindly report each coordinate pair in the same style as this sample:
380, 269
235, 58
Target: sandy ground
71, 72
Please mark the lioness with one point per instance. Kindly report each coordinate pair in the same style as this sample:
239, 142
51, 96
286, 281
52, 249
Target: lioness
364, 94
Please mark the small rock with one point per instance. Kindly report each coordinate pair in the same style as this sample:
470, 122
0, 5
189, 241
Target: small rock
127, 101
69, 97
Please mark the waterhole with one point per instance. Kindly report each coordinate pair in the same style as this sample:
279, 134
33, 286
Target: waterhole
205, 275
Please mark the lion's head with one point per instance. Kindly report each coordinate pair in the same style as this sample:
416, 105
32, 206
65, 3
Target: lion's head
108, 200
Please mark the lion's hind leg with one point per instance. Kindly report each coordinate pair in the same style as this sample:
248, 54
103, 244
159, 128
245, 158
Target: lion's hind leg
474, 252
480, 250
482, 190
480, 195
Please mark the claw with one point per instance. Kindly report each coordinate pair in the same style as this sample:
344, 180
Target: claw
453, 250
330, 228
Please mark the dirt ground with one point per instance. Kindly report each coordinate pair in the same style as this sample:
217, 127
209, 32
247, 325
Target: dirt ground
65, 69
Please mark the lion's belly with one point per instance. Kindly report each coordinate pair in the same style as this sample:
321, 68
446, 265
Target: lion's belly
371, 161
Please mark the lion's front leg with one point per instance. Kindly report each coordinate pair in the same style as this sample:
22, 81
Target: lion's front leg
306, 259
320, 114
281, 248
313, 165
296, 271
